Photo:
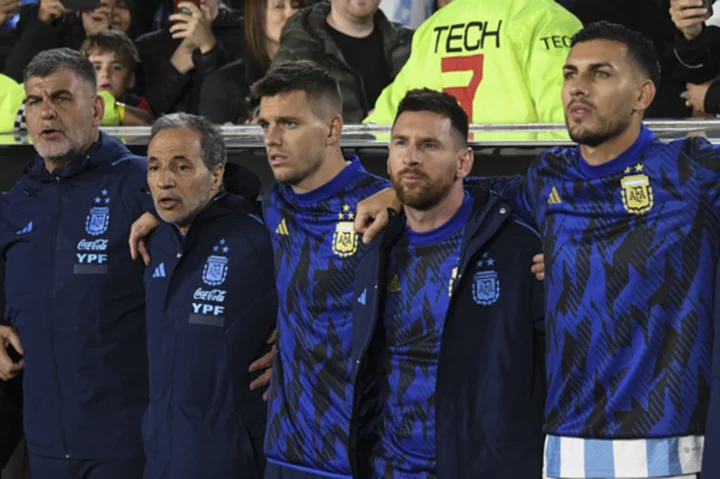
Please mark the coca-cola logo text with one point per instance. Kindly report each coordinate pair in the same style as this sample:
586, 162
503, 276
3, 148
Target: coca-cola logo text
92, 245
211, 295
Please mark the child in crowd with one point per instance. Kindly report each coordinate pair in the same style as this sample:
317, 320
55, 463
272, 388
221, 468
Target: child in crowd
115, 58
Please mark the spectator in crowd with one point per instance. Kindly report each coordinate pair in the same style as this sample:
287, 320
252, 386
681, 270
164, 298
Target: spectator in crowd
81, 327
630, 335
499, 59
439, 393
122, 18
48, 25
8, 11
697, 50
355, 42
225, 94
176, 60
115, 59
651, 19
210, 290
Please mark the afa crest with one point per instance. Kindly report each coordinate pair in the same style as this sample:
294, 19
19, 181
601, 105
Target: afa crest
486, 285
216, 267
345, 239
637, 194
98, 219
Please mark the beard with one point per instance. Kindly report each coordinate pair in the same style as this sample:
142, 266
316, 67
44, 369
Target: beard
605, 131
426, 193
55, 154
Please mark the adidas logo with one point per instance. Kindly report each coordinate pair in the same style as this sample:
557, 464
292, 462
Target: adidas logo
282, 228
159, 271
394, 286
25, 230
363, 297
554, 198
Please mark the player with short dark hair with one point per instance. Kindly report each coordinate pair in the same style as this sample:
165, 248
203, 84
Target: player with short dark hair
309, 211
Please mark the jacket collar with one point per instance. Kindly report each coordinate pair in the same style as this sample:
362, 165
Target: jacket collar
106, 149
489, 212
223, 205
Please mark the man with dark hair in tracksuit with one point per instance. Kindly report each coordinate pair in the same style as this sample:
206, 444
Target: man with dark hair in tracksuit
211, 303
75, 299
447, 325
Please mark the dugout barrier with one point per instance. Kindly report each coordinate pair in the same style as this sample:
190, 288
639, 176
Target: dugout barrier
499, 149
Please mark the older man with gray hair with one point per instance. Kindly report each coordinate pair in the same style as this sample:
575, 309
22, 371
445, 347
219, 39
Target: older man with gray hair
211, 303
75, 298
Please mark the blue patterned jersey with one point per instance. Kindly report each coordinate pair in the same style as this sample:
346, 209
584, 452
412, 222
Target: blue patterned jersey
316, 252
631, 249
419, 275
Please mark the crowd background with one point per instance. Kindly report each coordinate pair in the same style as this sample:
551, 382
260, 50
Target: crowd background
155, 57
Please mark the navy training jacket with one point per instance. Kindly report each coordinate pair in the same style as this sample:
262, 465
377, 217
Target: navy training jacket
711, 459
490, 389
211, 303
78, 303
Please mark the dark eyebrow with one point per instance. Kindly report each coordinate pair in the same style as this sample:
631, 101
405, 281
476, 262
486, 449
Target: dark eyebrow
175, 157
278, 119
592, 66
398, 136
597, 66
59, 93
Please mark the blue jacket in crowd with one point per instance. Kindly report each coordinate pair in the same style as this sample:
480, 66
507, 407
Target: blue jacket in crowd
490, 389
78, 303
211, 305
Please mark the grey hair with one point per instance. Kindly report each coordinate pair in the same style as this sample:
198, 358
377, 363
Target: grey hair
211, 141
48, 62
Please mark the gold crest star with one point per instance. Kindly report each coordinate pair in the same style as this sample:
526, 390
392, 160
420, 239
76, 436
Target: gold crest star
628, 170
340, 216
351, 216
638, 167
346, 208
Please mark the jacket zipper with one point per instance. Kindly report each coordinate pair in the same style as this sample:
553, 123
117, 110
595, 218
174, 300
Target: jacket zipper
54, 262
171, 393
462, 267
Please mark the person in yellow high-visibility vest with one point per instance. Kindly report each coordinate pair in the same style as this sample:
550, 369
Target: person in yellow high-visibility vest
502, 60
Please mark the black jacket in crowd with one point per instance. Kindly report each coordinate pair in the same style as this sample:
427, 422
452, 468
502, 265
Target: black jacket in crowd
225, 94
167, 89
33, 36
699, 61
